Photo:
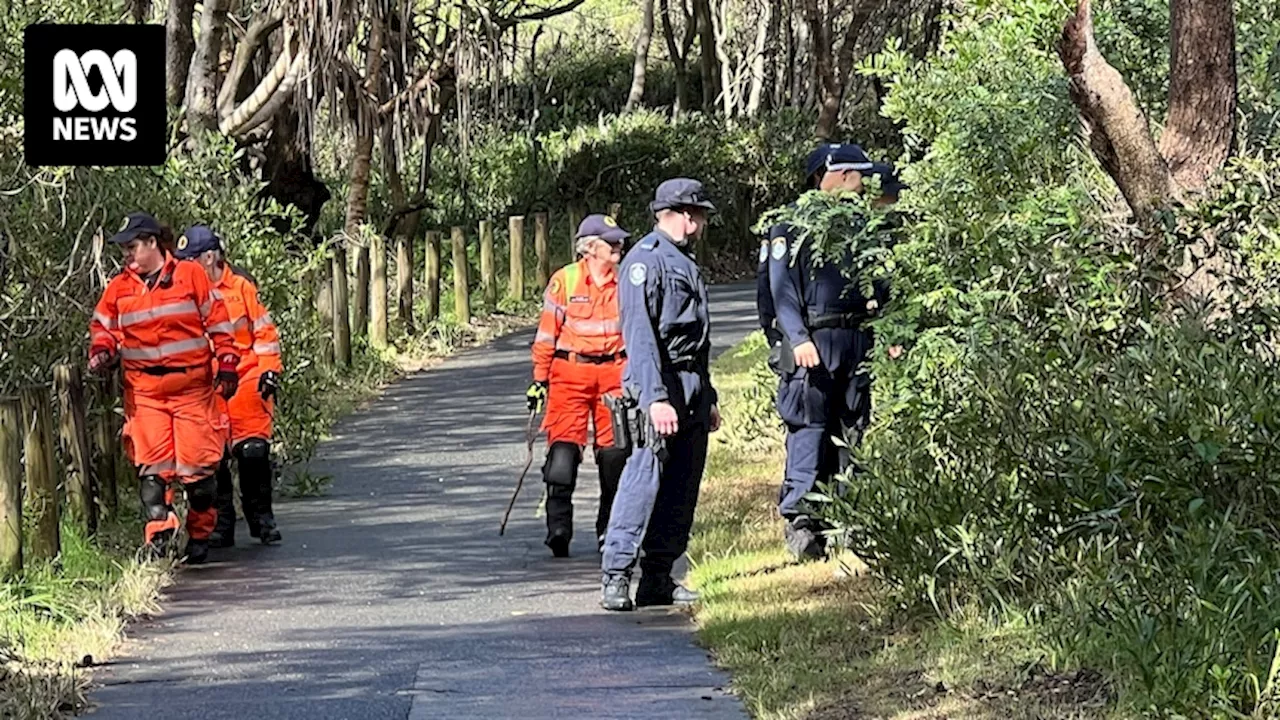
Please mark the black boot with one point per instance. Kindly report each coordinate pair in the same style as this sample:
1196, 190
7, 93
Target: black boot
610, 462
224, 532
159, 545
197, 552
560, 473
616, 594
805, 539
256, 476
657, 590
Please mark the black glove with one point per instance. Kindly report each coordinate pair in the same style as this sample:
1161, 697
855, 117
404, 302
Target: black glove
227, 379
536, 396
269, 384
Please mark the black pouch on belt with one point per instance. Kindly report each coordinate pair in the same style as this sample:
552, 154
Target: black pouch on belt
622, 409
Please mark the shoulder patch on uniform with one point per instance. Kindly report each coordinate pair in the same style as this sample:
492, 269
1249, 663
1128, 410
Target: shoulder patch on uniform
779, 248
554, 287
637, 274
764, 251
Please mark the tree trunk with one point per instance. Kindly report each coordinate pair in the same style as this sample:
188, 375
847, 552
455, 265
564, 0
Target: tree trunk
404, 281
1118, 131
288, 171
378, 294
202, 78
677, 58
833, 67
358, 197
180, 44
643, 40
1200, 131
766, 28
707, 53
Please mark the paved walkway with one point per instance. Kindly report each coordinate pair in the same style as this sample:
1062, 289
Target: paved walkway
394, 597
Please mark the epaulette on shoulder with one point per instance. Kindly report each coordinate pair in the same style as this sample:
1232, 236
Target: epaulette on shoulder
244, 274
649, 242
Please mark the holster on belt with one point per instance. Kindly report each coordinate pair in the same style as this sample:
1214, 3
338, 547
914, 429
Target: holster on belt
782, 357
624, 416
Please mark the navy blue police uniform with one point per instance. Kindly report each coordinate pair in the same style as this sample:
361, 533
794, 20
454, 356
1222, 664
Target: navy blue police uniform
817, 301
666, 329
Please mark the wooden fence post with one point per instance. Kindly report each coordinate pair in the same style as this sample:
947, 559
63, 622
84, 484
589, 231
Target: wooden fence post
515, 287
461, 276
576, 213
541, 224
341, 306
104, 448
75, 445
42, 481
404, 281
378, 289
488, 274
360, 320
10, 487
433, 275
615, 209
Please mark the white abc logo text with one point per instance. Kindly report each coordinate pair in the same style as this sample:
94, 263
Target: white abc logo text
119, 80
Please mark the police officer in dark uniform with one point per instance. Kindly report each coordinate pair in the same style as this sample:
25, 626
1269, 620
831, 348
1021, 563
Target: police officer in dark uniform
821, 315
666, 329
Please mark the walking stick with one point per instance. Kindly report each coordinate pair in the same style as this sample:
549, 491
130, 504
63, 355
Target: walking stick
530, 435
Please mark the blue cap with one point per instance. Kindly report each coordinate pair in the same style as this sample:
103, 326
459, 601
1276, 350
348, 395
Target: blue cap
136, 224
835, 157
678, 193
889, 182
196, 241
603, 227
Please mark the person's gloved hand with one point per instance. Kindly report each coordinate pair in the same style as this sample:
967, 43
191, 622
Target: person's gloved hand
536, 396
269, 385
227, 380
100, 363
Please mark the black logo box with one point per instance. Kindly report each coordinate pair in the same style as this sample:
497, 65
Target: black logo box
41, 43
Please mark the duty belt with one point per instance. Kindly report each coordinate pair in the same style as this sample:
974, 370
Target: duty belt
687, 365
838, 320
591, 359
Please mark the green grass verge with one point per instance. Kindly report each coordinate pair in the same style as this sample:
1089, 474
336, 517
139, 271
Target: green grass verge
820, 641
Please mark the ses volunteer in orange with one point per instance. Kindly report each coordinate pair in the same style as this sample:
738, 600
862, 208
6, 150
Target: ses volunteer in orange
578, 358
166, 323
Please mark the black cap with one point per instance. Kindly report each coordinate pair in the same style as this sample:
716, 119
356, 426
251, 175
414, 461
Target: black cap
196, 241
837, 156
135, 224
890, 184
678, 193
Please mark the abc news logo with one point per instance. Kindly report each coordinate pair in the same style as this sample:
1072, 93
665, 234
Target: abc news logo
94, 95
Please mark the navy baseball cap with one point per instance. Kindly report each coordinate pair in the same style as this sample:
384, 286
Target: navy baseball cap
196, 241
890, 184
135, 225
603, 227
835, 157
678, 193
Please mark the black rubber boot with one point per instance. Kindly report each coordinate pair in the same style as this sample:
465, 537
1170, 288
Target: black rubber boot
805, 539
197, 552
662, 590
560, 473
159, 545
616, 593
256, 477
224, 532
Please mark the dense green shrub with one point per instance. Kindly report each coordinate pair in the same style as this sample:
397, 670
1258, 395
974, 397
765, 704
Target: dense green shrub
1062, 437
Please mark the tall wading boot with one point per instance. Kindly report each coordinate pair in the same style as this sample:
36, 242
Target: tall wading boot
162, 522
256, 474
201, 517
224, 533
560, 473
610, 461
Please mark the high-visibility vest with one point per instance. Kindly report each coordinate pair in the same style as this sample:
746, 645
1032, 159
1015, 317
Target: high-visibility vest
578, 316
170, 325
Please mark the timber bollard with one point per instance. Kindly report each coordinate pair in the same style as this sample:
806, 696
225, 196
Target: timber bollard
40, 472
461, 277
74, 436
541, 225
10, 487
515, 288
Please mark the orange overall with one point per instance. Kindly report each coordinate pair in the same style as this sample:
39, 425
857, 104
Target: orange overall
173, 428
257, 341
578, 350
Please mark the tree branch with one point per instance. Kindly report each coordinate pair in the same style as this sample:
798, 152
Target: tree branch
505, 22
260, 27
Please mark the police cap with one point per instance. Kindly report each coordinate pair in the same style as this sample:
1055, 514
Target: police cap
135, 225
196, 241
834, 157
680, 193
890, 184
603, 227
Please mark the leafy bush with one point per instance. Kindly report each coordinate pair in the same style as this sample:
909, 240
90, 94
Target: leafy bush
1063, 438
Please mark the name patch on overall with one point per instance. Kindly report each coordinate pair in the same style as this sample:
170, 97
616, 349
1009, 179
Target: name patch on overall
580, 299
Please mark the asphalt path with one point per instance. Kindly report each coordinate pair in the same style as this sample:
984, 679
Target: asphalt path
393, 596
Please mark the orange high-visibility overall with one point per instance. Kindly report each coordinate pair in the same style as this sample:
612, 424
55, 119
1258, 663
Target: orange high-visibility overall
162, 334
578, 350
257, 341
